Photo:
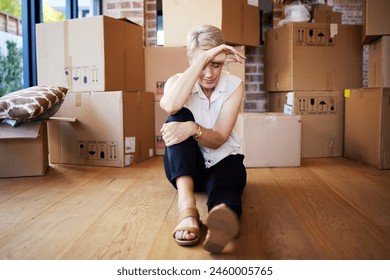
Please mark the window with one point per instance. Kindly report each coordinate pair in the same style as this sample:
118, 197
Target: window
160, 29
11, 45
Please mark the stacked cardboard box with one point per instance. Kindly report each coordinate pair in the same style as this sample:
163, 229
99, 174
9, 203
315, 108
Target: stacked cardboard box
376, 19
367, 110
312, 64
238, 19
101, 60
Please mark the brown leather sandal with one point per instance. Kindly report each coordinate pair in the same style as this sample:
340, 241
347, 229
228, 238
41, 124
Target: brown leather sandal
188, 212
223, 225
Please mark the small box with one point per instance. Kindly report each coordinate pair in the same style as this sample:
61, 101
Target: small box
367, 130
324, 14
23, 150
313, 56
97, 53
376, 19
379, 62
270, 139
111, 129
322, 115
238, 20
163, 62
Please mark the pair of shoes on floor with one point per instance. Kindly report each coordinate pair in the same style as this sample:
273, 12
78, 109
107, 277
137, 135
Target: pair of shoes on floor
186, 213
223, 225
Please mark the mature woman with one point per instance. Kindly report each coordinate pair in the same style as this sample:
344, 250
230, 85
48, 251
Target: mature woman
201, 145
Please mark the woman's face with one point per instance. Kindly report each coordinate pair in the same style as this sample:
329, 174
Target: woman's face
209, 77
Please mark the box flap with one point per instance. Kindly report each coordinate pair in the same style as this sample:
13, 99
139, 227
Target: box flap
22, 131
129, 21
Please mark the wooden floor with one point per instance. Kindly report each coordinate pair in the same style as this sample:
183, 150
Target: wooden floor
329, 208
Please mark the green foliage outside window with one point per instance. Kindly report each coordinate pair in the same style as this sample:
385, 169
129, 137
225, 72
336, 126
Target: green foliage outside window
11, 70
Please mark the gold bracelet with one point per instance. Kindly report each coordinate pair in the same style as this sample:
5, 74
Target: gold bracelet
198, 133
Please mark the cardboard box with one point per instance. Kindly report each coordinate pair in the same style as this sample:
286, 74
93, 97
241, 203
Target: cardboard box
91, 54
163, 62
367, 130
269, 139
313, 56
23, 150
376, 19
379, 62
239, 21
160, 118
322, 115
326, 16
111, 129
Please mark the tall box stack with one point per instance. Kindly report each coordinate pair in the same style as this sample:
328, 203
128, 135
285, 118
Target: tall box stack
238, 20
101, 61
307, 67
367, 110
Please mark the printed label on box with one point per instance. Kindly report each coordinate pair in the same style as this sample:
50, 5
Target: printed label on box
160, 87
129, 145
97, 150
82, 75
315, 37
316, 105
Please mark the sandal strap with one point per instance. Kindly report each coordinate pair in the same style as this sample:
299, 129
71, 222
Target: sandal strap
189, 212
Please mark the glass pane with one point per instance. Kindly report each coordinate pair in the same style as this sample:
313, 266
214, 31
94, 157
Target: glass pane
88, 8
11, 46
53, 10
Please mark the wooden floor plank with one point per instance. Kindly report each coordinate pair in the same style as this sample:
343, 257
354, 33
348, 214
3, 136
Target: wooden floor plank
46, 235
271, 228
129, 228
329, 208
365, 187
340, 230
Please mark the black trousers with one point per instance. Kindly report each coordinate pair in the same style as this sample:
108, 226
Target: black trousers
223, 183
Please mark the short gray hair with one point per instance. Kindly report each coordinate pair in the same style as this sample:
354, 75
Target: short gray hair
205, 37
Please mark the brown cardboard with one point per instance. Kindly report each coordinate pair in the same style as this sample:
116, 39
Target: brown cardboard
367, 130
112, 129
322, 115
324, 16
238, 20
23, 150
164, 62
91, 54
269, 139
330, 59
376, 19
379, 62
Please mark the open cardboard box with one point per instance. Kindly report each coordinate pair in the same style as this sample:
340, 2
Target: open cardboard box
23, 150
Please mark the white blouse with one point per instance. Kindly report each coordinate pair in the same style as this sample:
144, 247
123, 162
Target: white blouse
206, 114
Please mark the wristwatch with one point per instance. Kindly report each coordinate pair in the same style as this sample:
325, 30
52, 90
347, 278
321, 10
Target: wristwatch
198, 133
